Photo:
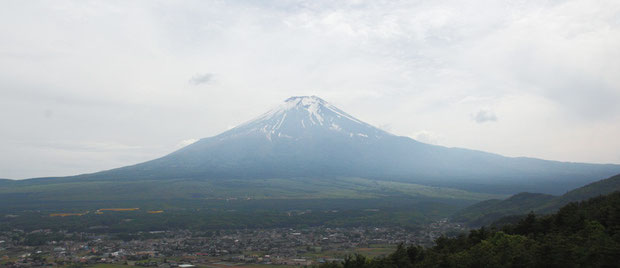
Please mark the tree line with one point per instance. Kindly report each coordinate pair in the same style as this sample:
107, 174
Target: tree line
585, 234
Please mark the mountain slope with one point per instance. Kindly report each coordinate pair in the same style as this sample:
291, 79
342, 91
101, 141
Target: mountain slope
594, 189
488, 211
306, 137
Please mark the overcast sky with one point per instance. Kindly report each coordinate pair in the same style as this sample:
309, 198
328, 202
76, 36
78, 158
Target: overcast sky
93, 85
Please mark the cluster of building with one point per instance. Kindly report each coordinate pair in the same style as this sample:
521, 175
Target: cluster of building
182, 248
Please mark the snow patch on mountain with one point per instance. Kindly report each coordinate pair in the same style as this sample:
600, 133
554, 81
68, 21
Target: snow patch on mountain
305, 116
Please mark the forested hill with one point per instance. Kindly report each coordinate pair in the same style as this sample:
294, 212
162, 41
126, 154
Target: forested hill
601, 187
488, 211
585, 234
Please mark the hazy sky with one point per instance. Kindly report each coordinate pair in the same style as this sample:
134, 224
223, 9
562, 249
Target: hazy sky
93, 85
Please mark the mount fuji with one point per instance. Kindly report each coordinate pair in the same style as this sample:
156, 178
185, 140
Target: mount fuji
307, 139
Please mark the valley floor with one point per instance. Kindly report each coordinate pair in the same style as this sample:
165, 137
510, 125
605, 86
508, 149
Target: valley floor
224, 248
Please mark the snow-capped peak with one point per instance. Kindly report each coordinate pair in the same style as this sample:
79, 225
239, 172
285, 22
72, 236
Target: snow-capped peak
304, 116
312, 104
305, 100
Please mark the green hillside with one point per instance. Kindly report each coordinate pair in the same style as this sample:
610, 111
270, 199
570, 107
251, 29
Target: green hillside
585, 234
488, 211
601, 187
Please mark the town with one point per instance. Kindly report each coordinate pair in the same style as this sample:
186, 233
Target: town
184, 248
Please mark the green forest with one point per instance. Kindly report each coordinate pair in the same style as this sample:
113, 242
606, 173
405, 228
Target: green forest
585, 234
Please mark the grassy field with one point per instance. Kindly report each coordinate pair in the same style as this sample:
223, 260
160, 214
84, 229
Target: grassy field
249, 266
371, 251
205, 204
109, 266
209, 265
297, 188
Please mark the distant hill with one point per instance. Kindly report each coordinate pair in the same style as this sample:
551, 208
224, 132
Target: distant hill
601, 187
486, 212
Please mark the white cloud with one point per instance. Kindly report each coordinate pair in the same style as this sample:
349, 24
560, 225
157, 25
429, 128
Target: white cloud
111, 72
186, 142
483, 116
199, 79
426, 137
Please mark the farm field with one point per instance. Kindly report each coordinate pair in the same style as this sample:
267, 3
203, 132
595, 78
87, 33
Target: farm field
371, 251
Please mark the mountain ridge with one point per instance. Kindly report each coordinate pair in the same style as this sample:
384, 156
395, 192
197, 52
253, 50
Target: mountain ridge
488, 211
306, 137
